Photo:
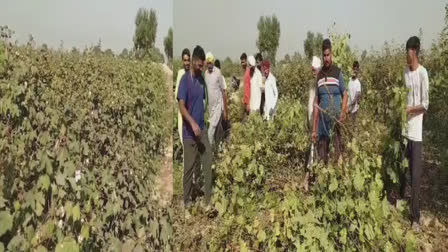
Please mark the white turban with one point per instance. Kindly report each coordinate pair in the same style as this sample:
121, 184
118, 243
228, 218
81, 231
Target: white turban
252, 60
316, 63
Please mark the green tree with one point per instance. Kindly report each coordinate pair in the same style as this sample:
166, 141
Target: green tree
97, 49
168, 44
268, 37
124, 53
312, 44
145, 29
363, 55
109, 52
74, 50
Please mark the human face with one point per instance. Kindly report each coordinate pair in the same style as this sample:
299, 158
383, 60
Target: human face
410, 56
186, 62
210, 67
355, 72
244, 64
266, 71
198, 64
327, 57
259, 65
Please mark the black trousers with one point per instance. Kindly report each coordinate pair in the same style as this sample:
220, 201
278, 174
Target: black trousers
414, 154
323, 145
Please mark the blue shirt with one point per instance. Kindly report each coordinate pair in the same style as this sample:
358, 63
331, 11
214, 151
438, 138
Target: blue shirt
192, 92
329, 91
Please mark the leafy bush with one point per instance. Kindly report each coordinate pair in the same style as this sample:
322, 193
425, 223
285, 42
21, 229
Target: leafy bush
436, 121
80, 141
262, 206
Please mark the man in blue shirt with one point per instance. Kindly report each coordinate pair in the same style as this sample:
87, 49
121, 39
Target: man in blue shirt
191, 97
331, 97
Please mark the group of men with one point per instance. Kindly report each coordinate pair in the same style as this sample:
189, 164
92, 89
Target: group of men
329, 104
260, 86
328, 107
197, 90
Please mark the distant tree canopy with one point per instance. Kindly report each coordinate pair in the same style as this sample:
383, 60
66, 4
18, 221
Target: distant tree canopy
312, 44
97, 49
168, 44
124, 53
145, 29
109, 52
268, 37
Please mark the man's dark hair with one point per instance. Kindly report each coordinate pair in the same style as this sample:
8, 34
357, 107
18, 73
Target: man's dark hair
258, 57
217, 64
414, 44
243, 56
356, 64
198, 53
326, 44
185, 52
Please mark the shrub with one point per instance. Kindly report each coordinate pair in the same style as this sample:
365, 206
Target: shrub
81, 137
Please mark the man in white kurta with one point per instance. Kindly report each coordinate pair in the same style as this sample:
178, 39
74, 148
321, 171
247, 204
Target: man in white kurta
256, 80
270, 91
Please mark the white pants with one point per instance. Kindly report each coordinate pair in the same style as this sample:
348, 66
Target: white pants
215, 119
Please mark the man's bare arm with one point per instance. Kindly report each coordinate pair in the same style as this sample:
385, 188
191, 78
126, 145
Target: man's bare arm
416, 110
188, 118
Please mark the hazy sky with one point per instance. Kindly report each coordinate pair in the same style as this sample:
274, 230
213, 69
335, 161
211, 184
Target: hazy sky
229, 27
82, 23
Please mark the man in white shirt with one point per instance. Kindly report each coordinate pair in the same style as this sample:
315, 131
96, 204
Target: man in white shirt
315, 68
180, 73
216, 100
316, 65
271, 92
354, 92
416, 79
255, 86
224, 123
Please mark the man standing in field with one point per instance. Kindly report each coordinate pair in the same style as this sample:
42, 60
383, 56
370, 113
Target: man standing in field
259, 60
270, 91
330, 105
315, 68
246, 81
416, 80
216, 99
255, 86
225, 123
186, 68
354, 92
191, 97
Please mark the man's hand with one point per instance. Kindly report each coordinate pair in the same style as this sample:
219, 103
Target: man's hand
247, 108
409, 111
314, 136
196, 129
225, 115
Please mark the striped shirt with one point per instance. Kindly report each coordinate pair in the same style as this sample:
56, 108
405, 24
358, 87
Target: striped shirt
330, 89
